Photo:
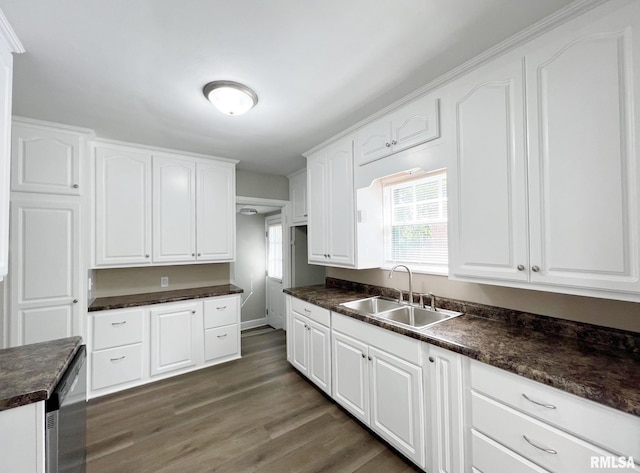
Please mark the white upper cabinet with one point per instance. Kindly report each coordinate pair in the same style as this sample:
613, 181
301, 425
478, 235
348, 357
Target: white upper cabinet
411, 125
174, 210
298, 197
487, 180
583, 102
123, 206
548, 198
215, 204
46, 161
331, 206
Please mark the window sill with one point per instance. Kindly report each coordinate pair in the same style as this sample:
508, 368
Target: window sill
419, 269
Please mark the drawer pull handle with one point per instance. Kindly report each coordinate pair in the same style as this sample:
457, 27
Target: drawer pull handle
546, 450
307, 310
113, 360
117, 324
548, 406
222, 336
222, 308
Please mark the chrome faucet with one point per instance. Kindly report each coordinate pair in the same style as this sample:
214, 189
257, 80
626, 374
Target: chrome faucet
410, 279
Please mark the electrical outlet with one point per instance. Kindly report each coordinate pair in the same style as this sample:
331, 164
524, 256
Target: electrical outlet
90, 283
164, 281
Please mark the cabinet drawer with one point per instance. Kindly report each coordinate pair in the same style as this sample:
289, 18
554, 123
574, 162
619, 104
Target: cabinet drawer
220, 311
564, 453
612, 429
221, 341
117, 328
116, 366
491, 457
314, 312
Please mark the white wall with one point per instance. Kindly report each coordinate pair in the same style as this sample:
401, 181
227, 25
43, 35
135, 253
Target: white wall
250, 265
264, 186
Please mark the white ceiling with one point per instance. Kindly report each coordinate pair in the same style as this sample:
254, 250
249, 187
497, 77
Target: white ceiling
134, 70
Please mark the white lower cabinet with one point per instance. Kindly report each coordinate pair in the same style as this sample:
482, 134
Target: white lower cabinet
309, 337
130, 347
516, 423
22, 445
378, 378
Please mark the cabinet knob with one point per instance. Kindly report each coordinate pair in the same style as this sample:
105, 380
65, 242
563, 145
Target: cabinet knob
199, 254
394, 142
388, 145
535, 269
364, 356
305, 215
146, 256
520, 267
369, 358
75, 301
75, 186
193, 311
431, 359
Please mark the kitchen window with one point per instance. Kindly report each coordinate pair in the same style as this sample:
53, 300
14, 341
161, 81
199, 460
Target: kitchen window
415, 222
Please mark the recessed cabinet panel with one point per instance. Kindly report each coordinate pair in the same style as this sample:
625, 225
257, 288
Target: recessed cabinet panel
45, 161
340, 205
174, 210
123, 207
215, 213
373, 142
53, 281
317, 184
583, 162
487, 186
300, 341
45, 323
415, 123
351, 375
320, 355
298, 197
173, 334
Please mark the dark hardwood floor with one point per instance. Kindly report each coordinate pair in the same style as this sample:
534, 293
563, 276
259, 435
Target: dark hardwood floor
256, 414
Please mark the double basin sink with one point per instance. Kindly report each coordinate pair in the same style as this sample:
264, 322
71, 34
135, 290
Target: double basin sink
416, 318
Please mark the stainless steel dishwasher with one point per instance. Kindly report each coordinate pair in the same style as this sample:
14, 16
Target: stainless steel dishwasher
66, 422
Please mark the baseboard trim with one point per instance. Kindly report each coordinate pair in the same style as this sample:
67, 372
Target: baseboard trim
253, 323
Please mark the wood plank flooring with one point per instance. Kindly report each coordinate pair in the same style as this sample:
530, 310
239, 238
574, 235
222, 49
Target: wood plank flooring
256, 414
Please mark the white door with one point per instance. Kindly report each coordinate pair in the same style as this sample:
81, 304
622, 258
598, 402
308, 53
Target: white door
319, 355
275, 270
298, 197
174, 210
340, 204
45, 161
216, 223
123, 207
298, 337
487, 182
396, 403
582, 101
44, 270
174, 333
351, 375
318, 219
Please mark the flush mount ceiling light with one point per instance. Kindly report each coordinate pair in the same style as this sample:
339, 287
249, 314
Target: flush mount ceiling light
230, 97
248, 211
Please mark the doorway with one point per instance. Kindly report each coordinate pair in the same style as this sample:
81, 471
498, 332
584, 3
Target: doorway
274, 235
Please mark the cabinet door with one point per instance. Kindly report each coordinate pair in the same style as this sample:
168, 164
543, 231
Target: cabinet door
396, 403
373, 142
45, 160
44, 270
415, 123
216, 217
174, 210
173, 337
487, 181
299, 340
447, 403
351, 375
340, 204
319, 355
298, 197
583, 100
6, 76
123, 207
318, 218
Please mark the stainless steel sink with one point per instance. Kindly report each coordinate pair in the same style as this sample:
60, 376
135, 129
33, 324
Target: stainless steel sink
397, 312
373, 305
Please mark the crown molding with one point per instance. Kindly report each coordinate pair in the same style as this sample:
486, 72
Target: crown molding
47, 124
548, 23
9, 36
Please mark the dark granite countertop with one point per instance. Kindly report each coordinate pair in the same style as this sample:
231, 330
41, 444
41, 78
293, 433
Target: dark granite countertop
595, 363
149, 298
29, 373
